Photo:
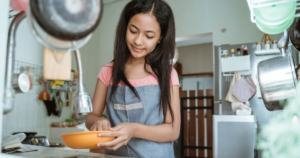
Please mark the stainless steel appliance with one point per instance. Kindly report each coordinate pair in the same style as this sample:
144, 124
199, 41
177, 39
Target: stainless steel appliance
240, 131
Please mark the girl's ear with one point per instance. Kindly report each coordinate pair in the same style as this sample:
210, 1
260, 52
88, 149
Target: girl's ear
161, 38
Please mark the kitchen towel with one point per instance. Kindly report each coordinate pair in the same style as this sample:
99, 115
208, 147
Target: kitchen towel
229, 96
244, 89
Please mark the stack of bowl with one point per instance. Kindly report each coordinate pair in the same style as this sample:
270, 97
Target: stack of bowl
274, 19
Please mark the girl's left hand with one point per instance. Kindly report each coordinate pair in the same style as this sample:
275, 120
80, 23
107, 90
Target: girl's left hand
124, 132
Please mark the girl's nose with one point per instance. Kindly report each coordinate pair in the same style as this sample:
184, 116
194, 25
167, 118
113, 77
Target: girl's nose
138, 40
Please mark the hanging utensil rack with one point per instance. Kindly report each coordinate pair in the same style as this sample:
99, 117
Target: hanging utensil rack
263, 3
36, 70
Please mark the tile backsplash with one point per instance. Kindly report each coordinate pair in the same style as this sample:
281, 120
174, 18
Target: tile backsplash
30, 114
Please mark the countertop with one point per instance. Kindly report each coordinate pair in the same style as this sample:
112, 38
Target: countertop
48, 152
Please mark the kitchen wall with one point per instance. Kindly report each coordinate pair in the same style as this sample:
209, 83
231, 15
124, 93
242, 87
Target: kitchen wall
192, 17
3, 32
196, 58
29, 113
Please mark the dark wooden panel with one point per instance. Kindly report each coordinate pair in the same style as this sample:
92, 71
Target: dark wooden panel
185, 123
201, 136
209, 92
206, 74
192, 124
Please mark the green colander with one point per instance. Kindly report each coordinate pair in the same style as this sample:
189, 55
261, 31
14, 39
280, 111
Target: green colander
275, 14
276, 29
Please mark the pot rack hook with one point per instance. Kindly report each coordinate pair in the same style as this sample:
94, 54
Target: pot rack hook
283, 42
266, 37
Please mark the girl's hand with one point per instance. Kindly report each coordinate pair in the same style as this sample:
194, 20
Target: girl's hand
101, 124
124, 132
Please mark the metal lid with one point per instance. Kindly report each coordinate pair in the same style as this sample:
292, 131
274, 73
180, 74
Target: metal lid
24, 82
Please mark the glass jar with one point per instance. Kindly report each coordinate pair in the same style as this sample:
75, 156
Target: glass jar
258, 46
274, 44
267, 45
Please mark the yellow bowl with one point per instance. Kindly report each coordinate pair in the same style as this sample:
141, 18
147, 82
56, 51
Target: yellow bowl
85, 140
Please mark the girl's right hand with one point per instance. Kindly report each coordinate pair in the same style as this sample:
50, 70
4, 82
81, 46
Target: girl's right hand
101, 124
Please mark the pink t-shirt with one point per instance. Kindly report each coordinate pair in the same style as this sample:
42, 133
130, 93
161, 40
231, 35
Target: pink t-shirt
106, 73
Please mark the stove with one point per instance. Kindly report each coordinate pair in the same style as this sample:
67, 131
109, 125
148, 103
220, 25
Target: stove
32, 139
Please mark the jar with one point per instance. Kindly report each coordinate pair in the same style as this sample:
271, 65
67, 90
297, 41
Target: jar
258, 46
232, 52
54, 124
225, 52
64, 124
267, 45
274, 44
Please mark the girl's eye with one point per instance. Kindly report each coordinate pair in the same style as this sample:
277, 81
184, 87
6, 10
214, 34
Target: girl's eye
132, 32
149, 37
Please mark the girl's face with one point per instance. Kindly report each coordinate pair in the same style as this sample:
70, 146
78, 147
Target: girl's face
142, 35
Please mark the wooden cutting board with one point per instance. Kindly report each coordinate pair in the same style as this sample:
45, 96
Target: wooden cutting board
54, 70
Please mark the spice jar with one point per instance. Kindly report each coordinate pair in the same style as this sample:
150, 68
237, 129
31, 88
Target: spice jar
258, 46
267, 45
274, 44
225, 52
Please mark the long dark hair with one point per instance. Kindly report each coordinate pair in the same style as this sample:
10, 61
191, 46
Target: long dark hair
159, 60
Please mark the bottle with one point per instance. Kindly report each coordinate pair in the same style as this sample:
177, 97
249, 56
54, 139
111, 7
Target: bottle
232, 52
245, 50
258, 46
225, 52
267, 45
238, 50
274, 44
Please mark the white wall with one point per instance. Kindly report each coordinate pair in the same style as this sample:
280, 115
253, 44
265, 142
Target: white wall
3, 32
29, 113
196, 58
191, 17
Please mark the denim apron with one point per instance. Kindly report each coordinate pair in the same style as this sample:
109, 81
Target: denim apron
124, 106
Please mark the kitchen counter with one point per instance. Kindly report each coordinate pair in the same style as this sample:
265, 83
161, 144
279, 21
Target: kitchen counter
48, 152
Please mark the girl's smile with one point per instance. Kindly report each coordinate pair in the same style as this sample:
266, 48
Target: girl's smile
139, 50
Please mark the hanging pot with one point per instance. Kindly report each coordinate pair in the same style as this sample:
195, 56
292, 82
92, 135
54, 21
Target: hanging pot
64, 25
277, 78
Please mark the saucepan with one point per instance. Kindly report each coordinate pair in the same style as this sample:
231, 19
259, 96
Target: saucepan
277, 77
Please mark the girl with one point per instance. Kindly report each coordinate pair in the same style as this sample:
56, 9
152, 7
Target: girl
139, 88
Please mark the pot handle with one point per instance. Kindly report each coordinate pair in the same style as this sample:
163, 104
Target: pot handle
283, 42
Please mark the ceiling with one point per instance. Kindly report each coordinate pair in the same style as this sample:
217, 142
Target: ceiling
194, 39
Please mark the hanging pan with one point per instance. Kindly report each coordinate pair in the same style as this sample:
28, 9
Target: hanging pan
64, 25
277, 77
